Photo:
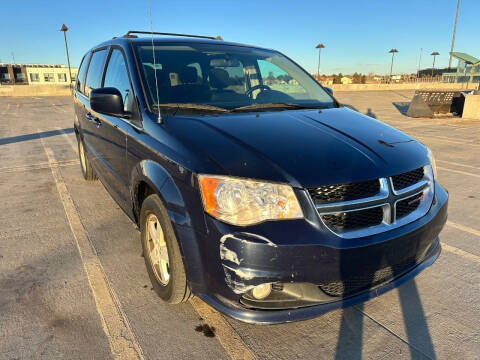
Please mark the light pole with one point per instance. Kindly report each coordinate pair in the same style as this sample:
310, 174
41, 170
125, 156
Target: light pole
392, 51
419, 61
453, 37
434, 54
319, 47
64, 28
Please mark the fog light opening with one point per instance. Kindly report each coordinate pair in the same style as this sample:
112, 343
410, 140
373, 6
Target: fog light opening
262, 291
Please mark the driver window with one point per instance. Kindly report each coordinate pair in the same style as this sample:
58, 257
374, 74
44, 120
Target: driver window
277, 79
116, 76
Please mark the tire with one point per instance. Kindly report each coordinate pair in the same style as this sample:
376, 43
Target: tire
85, 165
154, 220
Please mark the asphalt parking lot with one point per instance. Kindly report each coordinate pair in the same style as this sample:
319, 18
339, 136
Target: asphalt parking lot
73, 283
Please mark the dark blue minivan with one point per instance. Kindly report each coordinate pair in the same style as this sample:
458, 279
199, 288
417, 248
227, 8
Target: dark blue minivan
252, 187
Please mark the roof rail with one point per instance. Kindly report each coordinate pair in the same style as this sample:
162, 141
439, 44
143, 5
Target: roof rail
130, 34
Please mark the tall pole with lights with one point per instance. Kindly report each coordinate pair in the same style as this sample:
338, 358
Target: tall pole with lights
319, 47
453, 37
64, 29
419, 61
392, 51
434, 54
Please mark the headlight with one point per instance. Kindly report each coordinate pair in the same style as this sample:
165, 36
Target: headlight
245, 202
432, 163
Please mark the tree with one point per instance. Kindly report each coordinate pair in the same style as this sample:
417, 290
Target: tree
356, 78
285, 78
337, 79
363, 79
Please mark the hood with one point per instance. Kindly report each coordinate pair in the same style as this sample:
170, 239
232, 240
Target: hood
305, 148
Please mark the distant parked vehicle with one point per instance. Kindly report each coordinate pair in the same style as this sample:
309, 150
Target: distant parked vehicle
253, 188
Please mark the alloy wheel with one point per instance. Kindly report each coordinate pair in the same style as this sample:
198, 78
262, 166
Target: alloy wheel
157, 250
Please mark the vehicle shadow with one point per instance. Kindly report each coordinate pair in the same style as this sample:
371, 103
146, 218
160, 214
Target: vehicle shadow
350, 341
34, 136
350, 335
415, 322
401, 106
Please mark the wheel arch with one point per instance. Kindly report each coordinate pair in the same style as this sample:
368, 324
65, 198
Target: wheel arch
147, 178
150, 177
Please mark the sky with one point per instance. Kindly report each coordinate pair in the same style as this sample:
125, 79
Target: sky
357, 34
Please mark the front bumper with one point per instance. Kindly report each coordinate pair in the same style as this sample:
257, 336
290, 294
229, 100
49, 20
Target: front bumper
304, 251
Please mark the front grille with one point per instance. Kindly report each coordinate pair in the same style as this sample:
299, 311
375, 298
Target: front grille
345, 221
344, 192
406, 179
405, 207
366, 208
357, 283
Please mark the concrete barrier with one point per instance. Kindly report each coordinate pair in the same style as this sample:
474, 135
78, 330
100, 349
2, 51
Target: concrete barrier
34, 90
471, 108
406, 86
62, 90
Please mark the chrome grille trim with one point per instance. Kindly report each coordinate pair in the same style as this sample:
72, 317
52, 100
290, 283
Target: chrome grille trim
344, 206
408, 189
387, 198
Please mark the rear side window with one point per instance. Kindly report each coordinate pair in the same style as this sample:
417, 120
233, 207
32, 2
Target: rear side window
81, 73
95, 71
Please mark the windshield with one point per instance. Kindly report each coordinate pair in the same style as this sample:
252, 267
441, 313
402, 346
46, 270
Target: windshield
226, 77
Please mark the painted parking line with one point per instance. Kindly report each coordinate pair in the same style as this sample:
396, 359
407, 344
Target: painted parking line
449, 141
449, 138
458, 251
4, 112
457, 164
59, 108
72, 143
458, 171
42, 165
228, 337
464, 228
118, 331
462, 253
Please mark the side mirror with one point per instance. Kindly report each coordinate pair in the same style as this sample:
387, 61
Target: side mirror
107, 101
329, 90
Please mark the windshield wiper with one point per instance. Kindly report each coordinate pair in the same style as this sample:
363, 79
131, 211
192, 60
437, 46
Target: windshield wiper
273, 106
199, 107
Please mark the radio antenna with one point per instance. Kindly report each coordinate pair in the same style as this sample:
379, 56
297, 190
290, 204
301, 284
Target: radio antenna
159, 120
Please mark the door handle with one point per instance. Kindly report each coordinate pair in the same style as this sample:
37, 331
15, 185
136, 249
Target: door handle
93, 119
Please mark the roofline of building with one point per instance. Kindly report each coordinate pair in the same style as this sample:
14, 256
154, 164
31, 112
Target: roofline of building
34, 65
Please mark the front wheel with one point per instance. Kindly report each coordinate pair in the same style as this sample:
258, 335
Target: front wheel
162, 253
87, 170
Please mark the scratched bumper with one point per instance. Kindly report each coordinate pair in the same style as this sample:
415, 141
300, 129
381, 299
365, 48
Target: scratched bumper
303, 251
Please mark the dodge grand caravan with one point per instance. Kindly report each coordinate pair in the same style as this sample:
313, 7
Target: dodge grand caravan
252, 187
